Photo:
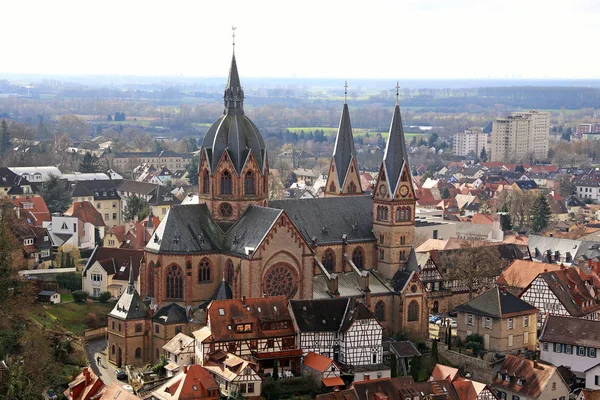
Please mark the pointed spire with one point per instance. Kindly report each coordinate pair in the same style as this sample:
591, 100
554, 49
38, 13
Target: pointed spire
343, 150
395, 155
131, 285
234, 94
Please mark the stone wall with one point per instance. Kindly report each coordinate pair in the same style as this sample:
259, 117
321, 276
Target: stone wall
479, 369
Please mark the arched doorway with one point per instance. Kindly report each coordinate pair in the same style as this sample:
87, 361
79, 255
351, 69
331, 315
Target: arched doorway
436, 307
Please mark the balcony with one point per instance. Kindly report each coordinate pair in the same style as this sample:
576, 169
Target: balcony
266, 355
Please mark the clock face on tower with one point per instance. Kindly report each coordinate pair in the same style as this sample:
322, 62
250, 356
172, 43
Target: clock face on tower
382, 190
403, 191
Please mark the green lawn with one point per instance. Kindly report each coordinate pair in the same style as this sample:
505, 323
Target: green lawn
66, 298
71, 316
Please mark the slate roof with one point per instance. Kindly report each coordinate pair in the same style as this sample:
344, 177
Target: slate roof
404, 348
187, 229
100, 190
395, 155
138, 188
527, 185
574, 331
323, 315
348, 286
343, 150
249, 231
162, 196
116, 261
349, 215
130, 305
171, 314
497, 304
358, 312
223, 292
233, 132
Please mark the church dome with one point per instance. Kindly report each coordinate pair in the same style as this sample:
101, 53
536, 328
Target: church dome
234, 132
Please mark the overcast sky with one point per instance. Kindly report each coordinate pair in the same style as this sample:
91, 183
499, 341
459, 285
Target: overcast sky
397, 39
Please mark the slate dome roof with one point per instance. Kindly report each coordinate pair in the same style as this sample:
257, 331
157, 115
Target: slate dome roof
233, 131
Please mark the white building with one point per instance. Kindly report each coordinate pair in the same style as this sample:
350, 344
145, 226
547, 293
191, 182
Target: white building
107, 270
36, 174
521, 135
571, 342
470, 141
234, 374
345, 332
179, 351
71, 231
587, 187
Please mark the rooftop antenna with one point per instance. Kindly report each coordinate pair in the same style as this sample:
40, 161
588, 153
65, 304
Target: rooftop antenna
233, 28
345, 91
397, 92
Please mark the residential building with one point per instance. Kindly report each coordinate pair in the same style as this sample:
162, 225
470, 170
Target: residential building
161, 201
519, 378
157, 196
592, 378
103, 195
505, 322
34, 209
444, 372
179, 351
36, 174
114, 391
127, 161
562, 293
521, 136
322, 370
520, 273
403, 388
582, 129
107, 270
234, 374
114, 237
86, 386
571, 342
587, 186
13, 186
89, 229
259, 328
473, 390
404, 350
37, 246
343, 330
193, 382
471, 141
587, 394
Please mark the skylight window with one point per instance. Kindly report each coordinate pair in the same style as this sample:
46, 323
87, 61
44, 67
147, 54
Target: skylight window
221, 311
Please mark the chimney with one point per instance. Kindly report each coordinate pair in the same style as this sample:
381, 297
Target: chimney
180, 344
244, 301
87, 375
535, 364
185, 369
503, 288
551, 235
545, 269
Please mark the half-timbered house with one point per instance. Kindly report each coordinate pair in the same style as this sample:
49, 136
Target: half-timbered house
260, 329
562, 293
233, 374
473, 390
322, 370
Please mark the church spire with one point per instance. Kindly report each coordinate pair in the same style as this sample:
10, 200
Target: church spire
131, 284
395, 156
234, 94
344, 162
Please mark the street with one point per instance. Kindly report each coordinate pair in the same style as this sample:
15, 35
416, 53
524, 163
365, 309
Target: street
106, 371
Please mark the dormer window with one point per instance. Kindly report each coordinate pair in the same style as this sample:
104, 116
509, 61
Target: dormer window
221, 311
500, 375
519, 381
507, 378
243, 328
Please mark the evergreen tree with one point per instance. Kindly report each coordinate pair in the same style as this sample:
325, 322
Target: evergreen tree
89, 163
55, 195
446, 193
5, 138
483, 155
109, 117
394, 366
275, 371
192, 170
540, 214
136, 206
415, 366
505, 220
434, 351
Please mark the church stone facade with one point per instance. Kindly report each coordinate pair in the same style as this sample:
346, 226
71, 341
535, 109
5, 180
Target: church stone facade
345, 245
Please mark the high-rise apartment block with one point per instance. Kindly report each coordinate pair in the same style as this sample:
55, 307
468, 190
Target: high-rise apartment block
521, 136
469, 141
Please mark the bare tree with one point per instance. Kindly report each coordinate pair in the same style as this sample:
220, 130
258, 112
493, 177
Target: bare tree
473, 266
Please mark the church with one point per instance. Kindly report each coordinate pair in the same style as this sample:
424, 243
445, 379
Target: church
237, 243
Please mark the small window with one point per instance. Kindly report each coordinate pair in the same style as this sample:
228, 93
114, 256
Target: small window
510, 323
157, 328
98, 205
138, 327
553, 385
469, 319
507, 378
591, 352
488, 323
545, 346
580, 350
568, 349
558, 348
526, 321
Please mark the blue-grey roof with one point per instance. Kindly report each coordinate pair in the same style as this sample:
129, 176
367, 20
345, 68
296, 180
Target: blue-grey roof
328, 219
395, 155
171, 314
343, 151
248, 232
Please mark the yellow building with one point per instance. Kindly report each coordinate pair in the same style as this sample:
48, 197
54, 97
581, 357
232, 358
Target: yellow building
103, 195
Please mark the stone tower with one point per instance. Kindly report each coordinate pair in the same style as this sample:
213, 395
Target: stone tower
394, 202
233, 172
343, 178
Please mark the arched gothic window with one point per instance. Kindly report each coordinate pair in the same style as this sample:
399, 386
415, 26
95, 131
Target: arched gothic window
380, 311
204, 271
385, 213
329, 260
151, 279
205, 182
226, 187
399, 214
174, 283
358, 257
138, 352
332, 187
352, 188
229, 271
413, 311
249, 187
407, 214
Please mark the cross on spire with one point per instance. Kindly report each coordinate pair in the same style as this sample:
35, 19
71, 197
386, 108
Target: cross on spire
345, 91
233, 28
397, 91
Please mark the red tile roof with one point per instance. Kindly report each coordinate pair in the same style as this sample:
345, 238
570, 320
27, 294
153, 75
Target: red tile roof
86, 212
485, 219
444, 372
317, 362
117, 392
334, 381
39, 212
534, 376
193, 382
118, 231
86, 386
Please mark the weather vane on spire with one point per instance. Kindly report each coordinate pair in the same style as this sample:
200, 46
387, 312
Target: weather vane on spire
233, 28
345, 91
397, 91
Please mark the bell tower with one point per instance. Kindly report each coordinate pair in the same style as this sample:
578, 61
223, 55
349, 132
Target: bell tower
233, 172
343, 178
394, 200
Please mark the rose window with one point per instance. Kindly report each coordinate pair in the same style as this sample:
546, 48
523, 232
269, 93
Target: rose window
280, 280
226, 210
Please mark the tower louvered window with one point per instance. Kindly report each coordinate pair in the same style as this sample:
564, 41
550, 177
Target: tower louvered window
229, 271
226, 186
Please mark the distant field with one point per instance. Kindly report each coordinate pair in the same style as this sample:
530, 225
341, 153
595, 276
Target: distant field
357, 132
